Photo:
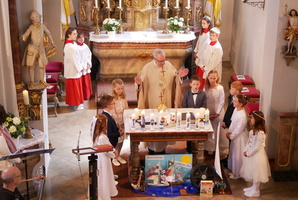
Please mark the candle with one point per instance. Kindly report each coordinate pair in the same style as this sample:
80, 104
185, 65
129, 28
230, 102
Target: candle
177, 3
188, 3
136, 113
178, 121
166, 4
152, 122
26, 97
161, 113
202, 112
143, 113
207, 112
188, 121
197, 120
96, 3
108, 2
172, 118
133, 118
120, 3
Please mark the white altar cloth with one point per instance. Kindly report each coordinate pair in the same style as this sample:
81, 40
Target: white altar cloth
142, 37
22, 143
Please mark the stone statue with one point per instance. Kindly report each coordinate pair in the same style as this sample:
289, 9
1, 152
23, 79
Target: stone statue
291, 33
36, 49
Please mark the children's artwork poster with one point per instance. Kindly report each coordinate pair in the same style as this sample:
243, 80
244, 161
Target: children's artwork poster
161, 170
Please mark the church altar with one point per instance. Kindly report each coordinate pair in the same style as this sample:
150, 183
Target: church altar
125, 55
169, 134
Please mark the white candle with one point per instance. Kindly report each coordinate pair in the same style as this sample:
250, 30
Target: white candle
143, 113
202, 112
96, 3
207, 112
136, 113
161, 113
26, 97
188, 3
188, 120
108, 2
197, 120
166, 4
152, 116
120, 3
152, 122
177, 3
178, 121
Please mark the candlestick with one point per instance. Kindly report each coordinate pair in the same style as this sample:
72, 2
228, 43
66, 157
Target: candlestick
120, 28
187, 30
165, 29
108, 3
109, 11
120, 3
177, 11
178, 121
97, 30
26, 97
136, 113
96, 3
187, 121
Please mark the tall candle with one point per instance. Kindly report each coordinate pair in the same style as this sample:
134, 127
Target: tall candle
177, 3
136, 113
152, 122
207, 112
197, 120
143, 113
133, 118
188, 3
108, 2
161, 113
26, 97
96, 3
202, 112
166, 4
188, 121
178, 121
120, 3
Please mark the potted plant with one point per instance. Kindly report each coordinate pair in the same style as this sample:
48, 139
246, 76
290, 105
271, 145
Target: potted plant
175, 24
16, 125
111, 25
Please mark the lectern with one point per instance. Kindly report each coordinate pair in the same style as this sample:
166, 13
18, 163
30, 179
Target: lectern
24, 157
92, 165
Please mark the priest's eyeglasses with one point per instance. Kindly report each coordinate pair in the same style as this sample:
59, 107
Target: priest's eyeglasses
160, 61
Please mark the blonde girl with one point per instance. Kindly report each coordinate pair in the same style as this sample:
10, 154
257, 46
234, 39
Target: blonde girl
119, 95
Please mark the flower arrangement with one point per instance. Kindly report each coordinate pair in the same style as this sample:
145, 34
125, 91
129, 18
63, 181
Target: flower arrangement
175, 24
111, 24
16, 125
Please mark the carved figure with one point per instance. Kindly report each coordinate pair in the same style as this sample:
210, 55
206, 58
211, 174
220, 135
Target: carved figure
291, 33
35, 51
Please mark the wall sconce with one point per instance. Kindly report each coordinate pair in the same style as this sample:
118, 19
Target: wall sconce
259, 4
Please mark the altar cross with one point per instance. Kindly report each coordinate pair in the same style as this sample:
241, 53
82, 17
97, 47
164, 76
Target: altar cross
163, 71
160, 96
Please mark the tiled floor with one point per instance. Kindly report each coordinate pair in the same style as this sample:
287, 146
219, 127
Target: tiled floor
67, 178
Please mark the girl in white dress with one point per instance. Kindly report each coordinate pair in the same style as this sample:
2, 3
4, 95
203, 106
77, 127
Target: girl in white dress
202, 42
215, 102
105, 179
255, 156
119, 95
237, 133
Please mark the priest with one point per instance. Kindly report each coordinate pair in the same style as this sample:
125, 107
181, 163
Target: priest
159, 83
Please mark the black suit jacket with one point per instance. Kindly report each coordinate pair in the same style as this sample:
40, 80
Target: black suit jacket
112, 129
188, 101
229, 112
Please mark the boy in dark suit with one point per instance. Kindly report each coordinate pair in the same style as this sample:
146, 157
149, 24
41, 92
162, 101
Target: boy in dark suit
113, 133
194, 98
235, 88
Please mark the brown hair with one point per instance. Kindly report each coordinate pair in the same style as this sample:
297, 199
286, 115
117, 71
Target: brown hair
259, 122
100, 126
194, 78
3, 114
208, 20
105, 100
68, 32
80, 34
237, 85
116, 82
207, 85
242, 98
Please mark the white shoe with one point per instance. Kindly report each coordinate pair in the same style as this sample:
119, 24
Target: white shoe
116, 163
247, 189
116, 177
81, 107
121, 160
252, 193
116, 182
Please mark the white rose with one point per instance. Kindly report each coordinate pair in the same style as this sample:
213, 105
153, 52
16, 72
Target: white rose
180, 24
105, 21
12, 129
16, 120
114, 28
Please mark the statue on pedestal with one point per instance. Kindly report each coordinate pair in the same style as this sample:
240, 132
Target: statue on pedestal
35, 51
291, 33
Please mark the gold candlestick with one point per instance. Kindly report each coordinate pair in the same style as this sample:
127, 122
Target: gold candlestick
187, 30
109, 12
177, 11
120, 29
28, 133
97, 30
166, 30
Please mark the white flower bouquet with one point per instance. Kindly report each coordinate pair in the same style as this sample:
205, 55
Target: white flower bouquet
175, 24
111, 24
16, 125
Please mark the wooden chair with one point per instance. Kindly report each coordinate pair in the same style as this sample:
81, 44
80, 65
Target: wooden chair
52, 93
252, 92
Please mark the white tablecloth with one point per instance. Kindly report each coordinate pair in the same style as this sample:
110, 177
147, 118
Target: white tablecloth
142, 37
22, 143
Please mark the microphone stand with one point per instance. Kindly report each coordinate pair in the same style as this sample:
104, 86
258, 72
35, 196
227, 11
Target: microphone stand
78, 147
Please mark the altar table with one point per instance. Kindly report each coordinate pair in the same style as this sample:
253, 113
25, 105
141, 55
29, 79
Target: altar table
125, 55
170, 133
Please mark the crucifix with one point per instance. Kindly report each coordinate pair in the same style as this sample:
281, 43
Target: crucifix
160, 96
163, 71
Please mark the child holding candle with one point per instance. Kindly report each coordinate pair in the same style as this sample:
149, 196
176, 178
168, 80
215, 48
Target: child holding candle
237, 133
194, 98
202, 42
113, 132
215, 102
106, 183
121, 104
